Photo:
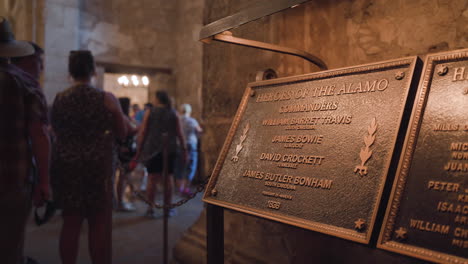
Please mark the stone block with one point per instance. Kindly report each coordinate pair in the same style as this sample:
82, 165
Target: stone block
55, 15
59, 41
72, 18
68, 3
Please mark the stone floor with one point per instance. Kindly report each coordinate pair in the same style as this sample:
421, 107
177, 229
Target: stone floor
136, 239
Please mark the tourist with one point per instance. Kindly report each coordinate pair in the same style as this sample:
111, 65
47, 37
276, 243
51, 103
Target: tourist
137, 114
32, 64
127, 150
184, 173
24, 143
86, 122
160, 124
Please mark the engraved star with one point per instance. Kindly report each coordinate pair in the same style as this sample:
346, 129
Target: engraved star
401, 233
359, 224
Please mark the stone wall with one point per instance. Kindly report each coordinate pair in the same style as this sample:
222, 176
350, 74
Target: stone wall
60, 36
342, 33
158, 34
189, 54
129, 32
26, 18
23, 16
151, 33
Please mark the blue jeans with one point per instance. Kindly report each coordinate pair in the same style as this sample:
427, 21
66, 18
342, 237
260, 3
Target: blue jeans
188, 170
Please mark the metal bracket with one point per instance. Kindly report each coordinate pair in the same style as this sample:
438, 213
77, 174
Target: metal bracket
227, 37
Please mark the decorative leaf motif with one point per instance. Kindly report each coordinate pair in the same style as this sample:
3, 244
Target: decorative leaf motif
239, 146
246, 129
369, 140
373, 127
366, 153
242, 138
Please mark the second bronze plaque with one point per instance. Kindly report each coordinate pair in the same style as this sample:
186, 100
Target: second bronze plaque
427, 216
314, 150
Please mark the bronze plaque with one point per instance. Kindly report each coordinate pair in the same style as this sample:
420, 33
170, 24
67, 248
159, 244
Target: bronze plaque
427, 216
314, 150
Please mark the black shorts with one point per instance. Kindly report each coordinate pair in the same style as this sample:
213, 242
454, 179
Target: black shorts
155, 164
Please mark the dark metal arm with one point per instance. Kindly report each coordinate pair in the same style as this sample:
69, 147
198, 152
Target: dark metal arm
258, 10
227, 37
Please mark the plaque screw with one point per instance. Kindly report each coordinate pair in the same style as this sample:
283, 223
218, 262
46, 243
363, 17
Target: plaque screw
214, 192
442, 70
400, 75
252, 93
401, 233
360, 224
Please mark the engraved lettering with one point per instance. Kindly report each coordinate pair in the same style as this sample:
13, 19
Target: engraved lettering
382, 85
280, 185
370, 87
460, 155
291, 121
288, 182
456, 166
285, 196
460, 243
253, 174
447, 207
363, 87
462, 198
274, 205
460, 232
305, 139
296, 108
294, 145
277, 195
462, 220
332, 120
459, 74
459, 146
430, 227
303, 159
326, 90
313, 182
443, 186
446, 127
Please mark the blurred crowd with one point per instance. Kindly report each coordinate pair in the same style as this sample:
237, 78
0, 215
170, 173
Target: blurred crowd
86, 155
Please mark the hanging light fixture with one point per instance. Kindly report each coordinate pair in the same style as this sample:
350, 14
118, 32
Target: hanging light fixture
145, 80
134, 80
123, 80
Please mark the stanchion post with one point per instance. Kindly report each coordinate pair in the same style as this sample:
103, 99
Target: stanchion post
166, 195
214, 234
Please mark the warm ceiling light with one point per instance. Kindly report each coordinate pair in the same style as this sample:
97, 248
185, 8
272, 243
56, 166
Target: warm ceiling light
123, 80
145, 80
135, 80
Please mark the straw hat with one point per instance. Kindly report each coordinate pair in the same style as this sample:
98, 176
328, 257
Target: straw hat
9, 47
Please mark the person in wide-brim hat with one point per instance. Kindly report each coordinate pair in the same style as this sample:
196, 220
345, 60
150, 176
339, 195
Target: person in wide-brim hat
9, 47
